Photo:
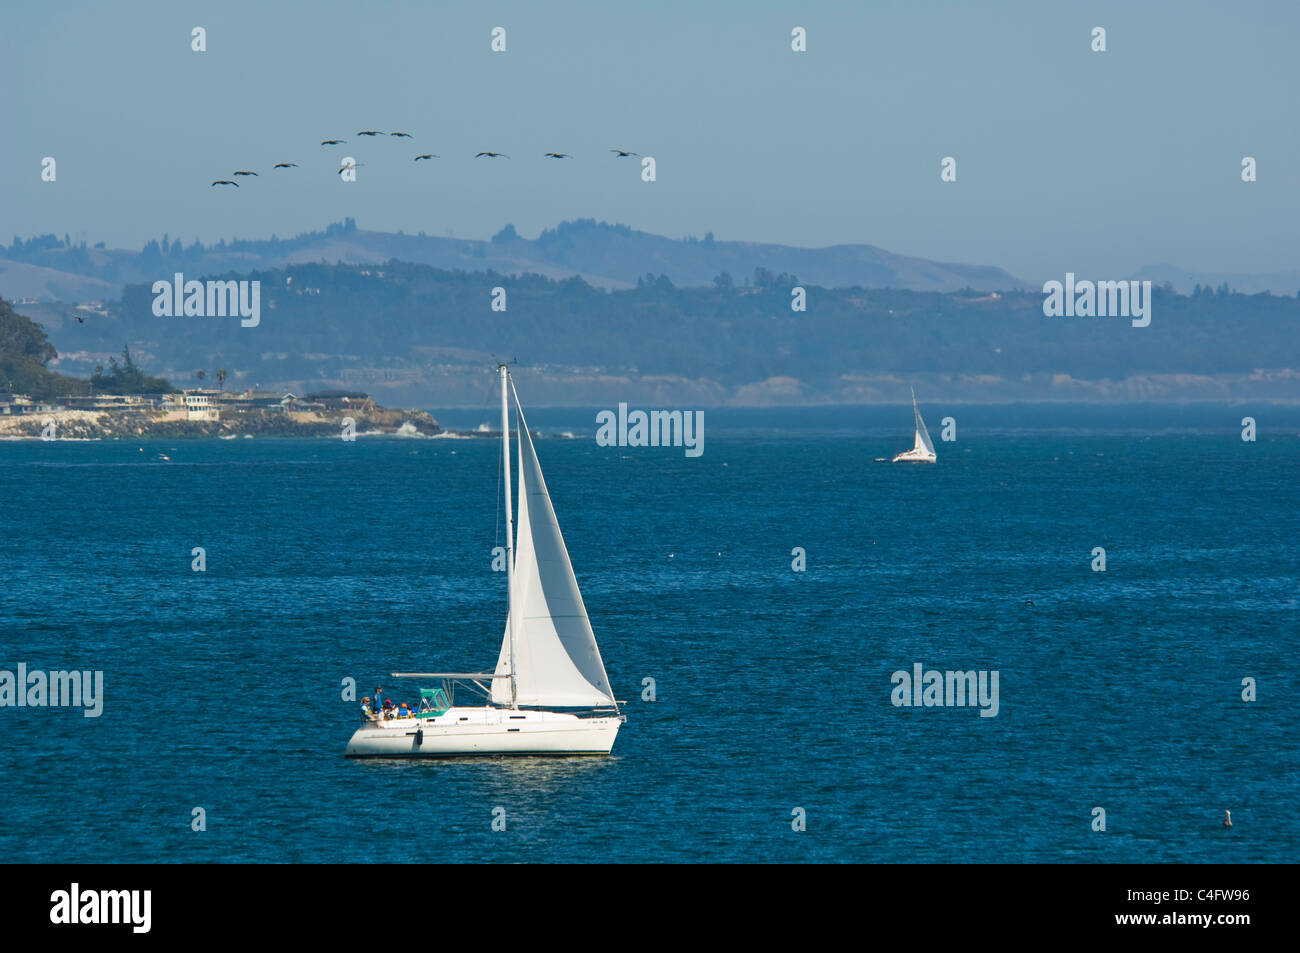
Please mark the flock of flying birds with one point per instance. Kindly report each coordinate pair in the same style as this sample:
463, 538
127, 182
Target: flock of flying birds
621, 153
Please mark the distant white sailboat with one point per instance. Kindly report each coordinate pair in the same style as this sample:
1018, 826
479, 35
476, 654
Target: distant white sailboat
548, 659
922, 448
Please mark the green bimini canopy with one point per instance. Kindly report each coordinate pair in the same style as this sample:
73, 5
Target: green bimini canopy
435, 699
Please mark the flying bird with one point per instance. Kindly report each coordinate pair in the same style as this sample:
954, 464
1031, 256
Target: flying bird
492, 155
350, 165
402, 135
224, 182
286, 165
623, 153
245, 172
80, 319
558, 155
368, 132
427, 155
332, 142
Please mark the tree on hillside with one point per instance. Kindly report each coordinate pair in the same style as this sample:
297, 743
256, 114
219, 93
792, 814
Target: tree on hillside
24, 352
127, 378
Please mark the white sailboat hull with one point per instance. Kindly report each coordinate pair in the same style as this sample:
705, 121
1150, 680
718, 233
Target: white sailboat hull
914, 456
485, 731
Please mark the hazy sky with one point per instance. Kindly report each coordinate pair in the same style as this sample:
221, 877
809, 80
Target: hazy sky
1067, 159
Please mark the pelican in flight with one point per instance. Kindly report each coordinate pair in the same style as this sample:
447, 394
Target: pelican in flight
286, 165
245, 172
558, 155
402, 135
492, 155
224, 182
427, 155
623, 153
332, 142
368, 132
350, 165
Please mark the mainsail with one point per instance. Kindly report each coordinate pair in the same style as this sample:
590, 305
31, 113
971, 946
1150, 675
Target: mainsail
922, 435
557, 662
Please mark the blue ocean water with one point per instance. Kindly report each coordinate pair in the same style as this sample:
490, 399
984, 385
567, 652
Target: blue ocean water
327, 560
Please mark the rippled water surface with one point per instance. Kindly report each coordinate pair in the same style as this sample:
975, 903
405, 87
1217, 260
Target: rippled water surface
325, 560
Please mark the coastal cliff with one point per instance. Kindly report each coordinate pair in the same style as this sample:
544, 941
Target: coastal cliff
130, 423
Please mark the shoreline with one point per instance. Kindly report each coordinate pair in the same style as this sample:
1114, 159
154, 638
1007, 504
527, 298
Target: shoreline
135, 424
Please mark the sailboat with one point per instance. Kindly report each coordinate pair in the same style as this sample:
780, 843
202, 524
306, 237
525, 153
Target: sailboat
549, 658
922, 448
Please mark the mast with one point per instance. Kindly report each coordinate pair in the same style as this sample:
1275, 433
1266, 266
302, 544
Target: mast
504, 370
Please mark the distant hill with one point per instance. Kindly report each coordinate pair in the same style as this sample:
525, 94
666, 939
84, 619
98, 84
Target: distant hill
49, 268
420, 336
603, 255
1185, 282
21, 280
